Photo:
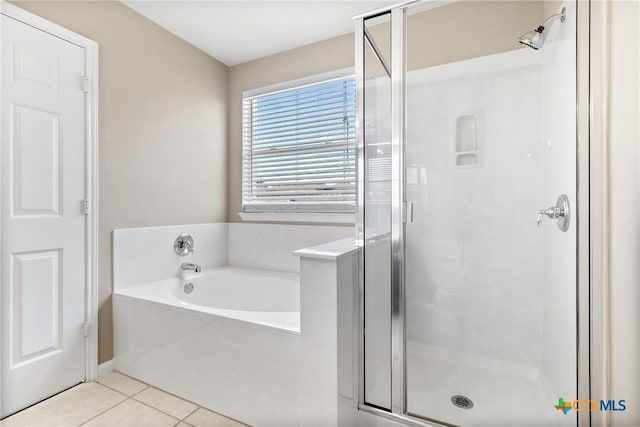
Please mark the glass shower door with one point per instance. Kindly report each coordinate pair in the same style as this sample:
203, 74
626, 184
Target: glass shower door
490, 141
376, 130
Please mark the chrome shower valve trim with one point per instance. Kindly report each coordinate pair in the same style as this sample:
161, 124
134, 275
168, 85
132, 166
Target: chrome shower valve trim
560, 212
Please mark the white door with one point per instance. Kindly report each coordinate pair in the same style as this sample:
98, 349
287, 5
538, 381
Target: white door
42, 236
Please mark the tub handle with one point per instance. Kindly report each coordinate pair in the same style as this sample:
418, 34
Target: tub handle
183, 245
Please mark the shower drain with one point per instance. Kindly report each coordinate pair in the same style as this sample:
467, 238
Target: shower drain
462, 401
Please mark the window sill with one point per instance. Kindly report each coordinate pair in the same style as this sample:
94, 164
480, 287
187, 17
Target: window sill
334, 218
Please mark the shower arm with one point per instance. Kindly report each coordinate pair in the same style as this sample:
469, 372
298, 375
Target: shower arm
562, 15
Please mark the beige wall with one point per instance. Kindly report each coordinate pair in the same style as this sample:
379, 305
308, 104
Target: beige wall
501, 22
468, 29
163, 134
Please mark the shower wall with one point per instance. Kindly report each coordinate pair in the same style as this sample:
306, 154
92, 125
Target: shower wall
490, 297
474, 255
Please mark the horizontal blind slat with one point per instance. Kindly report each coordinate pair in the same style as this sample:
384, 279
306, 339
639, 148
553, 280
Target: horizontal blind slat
299, 149
345, 122
280, 120
312, 103
275, 168
329, 92
270, 117
303, 160
309, 148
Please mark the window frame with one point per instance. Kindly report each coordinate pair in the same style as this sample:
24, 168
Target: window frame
287, 215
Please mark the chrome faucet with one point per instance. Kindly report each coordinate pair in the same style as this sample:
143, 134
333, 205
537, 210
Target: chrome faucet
191, 267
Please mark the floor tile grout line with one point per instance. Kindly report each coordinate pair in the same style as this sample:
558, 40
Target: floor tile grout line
137, 393
108, 409
126, 397
218, 414
157, 409
74, 387
170, 394
136, 400
191, 413
124, 394
148, 386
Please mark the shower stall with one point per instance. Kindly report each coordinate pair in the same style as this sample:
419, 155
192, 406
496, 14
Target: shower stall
469, 220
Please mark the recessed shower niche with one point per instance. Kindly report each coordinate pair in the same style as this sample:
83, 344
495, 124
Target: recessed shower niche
467, 139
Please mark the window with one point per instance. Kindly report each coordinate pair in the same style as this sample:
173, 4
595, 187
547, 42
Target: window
299, 149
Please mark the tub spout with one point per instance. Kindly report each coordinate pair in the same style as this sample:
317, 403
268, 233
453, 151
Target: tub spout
192, 267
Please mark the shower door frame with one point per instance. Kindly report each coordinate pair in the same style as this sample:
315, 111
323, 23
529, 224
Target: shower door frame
590, 219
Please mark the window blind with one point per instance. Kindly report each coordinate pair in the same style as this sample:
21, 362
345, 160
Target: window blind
299, 149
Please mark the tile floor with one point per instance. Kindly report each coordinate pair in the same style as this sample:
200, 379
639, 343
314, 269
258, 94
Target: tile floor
117, 400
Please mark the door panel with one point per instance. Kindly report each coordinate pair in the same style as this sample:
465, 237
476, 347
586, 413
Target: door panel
35, 287
43, 225
36, 160
377, 214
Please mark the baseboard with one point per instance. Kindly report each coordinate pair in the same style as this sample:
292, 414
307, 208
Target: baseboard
105, 368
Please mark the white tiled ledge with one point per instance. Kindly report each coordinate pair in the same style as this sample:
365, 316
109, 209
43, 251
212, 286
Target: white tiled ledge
331, 250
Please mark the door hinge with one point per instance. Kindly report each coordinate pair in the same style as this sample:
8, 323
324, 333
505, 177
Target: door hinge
86, 207
408, 212
86, 84
86, 328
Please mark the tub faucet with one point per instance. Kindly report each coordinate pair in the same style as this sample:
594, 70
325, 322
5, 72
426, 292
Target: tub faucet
189, 266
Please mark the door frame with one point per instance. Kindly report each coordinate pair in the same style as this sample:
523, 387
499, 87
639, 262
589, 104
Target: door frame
91, 173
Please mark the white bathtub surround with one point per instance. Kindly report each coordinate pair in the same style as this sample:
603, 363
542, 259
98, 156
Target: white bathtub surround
328, 274
271, 246
143, 255
234, 343
246, 371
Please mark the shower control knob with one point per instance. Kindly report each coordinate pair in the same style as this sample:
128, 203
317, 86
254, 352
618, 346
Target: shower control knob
560, 212
183, 244
551, 213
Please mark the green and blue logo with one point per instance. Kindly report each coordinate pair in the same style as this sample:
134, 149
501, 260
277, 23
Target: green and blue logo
563, 406
590, 405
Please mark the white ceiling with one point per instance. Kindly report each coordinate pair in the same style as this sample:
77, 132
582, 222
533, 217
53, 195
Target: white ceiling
239, 31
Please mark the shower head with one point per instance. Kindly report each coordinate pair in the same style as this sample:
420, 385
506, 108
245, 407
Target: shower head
535, 38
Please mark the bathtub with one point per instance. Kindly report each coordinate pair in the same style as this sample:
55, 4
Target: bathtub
268, 298
227, 339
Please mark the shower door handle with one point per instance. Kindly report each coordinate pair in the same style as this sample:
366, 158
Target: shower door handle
408, 212
560, 212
